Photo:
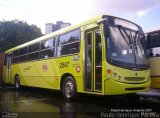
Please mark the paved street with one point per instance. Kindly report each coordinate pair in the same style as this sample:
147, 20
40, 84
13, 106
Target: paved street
40, 103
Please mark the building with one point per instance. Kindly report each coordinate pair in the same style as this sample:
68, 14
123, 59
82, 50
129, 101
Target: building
50, 27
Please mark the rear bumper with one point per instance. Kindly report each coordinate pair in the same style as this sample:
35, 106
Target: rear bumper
112, 87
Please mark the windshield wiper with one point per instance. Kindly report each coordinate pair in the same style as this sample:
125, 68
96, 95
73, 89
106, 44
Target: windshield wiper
128, 37
132, 41
136, 38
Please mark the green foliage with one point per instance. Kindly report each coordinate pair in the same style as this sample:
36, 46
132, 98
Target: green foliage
15, 32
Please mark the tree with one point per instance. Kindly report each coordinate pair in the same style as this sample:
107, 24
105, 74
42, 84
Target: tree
15, 32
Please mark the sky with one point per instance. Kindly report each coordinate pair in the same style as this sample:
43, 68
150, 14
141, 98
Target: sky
145, 13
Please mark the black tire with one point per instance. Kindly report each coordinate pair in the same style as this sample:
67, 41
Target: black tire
17, 82
69, 88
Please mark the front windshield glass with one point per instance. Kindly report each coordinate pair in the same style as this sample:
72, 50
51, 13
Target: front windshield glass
118, 49
141, 52
125, 44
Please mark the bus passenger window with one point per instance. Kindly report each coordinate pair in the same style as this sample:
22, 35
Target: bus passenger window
69, 43
47, 49
47, 44
44, 54
34, 47
33, 56
23, 51
15, 53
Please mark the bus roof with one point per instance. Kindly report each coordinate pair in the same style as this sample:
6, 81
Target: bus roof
153, 30
58, 32
53, 34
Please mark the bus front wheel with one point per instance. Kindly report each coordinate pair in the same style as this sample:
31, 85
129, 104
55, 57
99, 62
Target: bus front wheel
17, 82
69, 88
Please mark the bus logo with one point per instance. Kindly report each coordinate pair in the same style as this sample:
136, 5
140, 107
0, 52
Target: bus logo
136, 74
44, 67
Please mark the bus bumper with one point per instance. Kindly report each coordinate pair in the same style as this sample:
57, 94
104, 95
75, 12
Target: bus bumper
112, 87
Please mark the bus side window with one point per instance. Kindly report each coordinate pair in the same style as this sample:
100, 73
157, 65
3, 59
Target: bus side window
34, 47
47, 49
33, 52
69, 43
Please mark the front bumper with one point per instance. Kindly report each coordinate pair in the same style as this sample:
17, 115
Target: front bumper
112, 87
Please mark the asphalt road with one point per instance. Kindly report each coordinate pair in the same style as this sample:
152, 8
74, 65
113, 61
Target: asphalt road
41, 103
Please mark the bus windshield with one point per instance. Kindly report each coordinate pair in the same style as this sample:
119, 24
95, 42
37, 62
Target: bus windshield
125, 44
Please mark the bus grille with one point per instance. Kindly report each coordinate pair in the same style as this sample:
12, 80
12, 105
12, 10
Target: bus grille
134, 78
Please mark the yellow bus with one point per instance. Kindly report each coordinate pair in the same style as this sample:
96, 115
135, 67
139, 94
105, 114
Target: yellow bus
153, 46
104, 56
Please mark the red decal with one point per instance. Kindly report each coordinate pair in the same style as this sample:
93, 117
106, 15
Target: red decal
44, 67
78, 69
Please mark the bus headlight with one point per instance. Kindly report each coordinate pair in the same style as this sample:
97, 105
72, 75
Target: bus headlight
115, 75
119, 77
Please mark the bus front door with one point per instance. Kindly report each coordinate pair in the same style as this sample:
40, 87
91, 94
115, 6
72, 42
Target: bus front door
8, 68
93, 61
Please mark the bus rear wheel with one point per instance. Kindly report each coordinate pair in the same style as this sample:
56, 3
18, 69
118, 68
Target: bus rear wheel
17, 82
69, 88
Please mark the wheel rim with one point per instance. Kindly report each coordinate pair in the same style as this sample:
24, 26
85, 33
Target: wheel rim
17, 83
17, 86
69, 89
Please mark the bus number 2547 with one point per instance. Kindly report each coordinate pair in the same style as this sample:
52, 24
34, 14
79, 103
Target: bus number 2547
64, 64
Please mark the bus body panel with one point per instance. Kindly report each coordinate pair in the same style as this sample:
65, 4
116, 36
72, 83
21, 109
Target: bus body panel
46, 73
155, 83
155, 74
49, 72
153, 46
154, 65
